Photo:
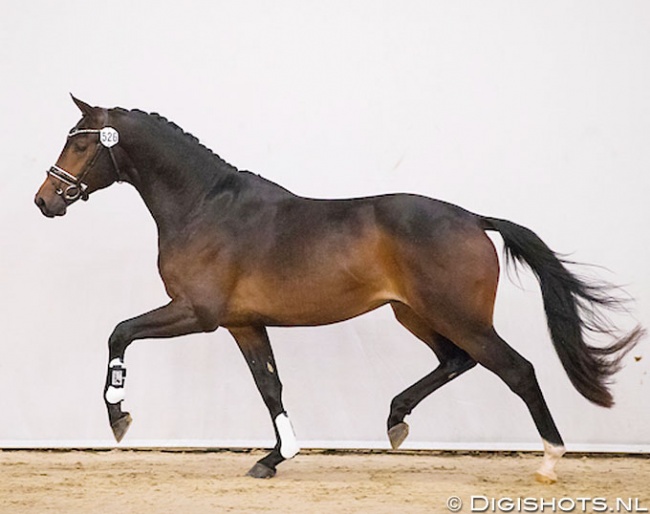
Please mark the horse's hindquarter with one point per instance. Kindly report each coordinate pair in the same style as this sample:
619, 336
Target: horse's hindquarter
448, 267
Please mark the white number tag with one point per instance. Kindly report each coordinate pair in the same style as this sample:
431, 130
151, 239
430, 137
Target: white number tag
109, 137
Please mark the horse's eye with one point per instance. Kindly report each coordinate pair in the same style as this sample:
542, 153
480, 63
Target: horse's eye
80, 147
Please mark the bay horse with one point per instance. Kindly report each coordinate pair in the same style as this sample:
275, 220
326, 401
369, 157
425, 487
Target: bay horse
241, 252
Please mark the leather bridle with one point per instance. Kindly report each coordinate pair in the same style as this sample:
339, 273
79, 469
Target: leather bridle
75, 187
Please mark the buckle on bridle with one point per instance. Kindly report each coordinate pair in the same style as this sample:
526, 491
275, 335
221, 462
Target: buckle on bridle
73, 192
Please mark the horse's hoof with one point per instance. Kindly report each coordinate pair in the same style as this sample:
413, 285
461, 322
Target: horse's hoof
398, 434
121, 426
545, 479
259, 470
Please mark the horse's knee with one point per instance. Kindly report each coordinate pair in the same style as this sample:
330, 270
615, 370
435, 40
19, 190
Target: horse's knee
119, 335
119, 339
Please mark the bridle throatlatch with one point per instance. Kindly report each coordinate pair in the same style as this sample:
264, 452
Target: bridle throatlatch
76, 188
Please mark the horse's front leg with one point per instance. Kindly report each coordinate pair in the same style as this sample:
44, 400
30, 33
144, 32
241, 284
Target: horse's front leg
174, 319
254, 344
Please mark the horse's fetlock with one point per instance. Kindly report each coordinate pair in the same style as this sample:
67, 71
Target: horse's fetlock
399, 409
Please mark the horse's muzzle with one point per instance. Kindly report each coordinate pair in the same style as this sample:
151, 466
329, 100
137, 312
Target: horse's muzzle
57, 207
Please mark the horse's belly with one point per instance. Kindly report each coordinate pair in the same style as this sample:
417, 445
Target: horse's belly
307, 305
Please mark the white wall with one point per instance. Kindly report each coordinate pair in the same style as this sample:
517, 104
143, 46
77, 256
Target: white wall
537, 112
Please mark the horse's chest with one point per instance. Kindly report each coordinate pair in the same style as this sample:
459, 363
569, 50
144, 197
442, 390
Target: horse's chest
196, 272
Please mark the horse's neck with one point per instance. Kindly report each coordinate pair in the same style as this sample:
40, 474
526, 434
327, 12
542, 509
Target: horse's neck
173, 181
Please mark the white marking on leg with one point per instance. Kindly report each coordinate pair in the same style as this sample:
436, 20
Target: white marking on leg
288, 444
552, 454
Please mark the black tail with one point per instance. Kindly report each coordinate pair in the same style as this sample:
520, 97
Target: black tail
573, 307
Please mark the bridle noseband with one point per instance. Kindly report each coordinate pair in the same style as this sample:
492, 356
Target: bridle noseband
76, 188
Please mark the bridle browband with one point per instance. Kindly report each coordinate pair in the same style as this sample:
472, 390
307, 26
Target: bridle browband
76, 188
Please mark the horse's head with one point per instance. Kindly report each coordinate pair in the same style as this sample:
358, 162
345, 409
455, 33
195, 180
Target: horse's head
86, 163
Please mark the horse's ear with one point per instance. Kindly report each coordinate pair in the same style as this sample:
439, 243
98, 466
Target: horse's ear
83, 106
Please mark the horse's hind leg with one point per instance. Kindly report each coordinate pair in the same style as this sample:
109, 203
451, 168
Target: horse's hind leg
256, 348
453, 362
519, 375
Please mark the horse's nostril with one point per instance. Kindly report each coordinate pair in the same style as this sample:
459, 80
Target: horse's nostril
38, 200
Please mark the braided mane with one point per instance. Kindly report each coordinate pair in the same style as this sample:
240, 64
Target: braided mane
190, 137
